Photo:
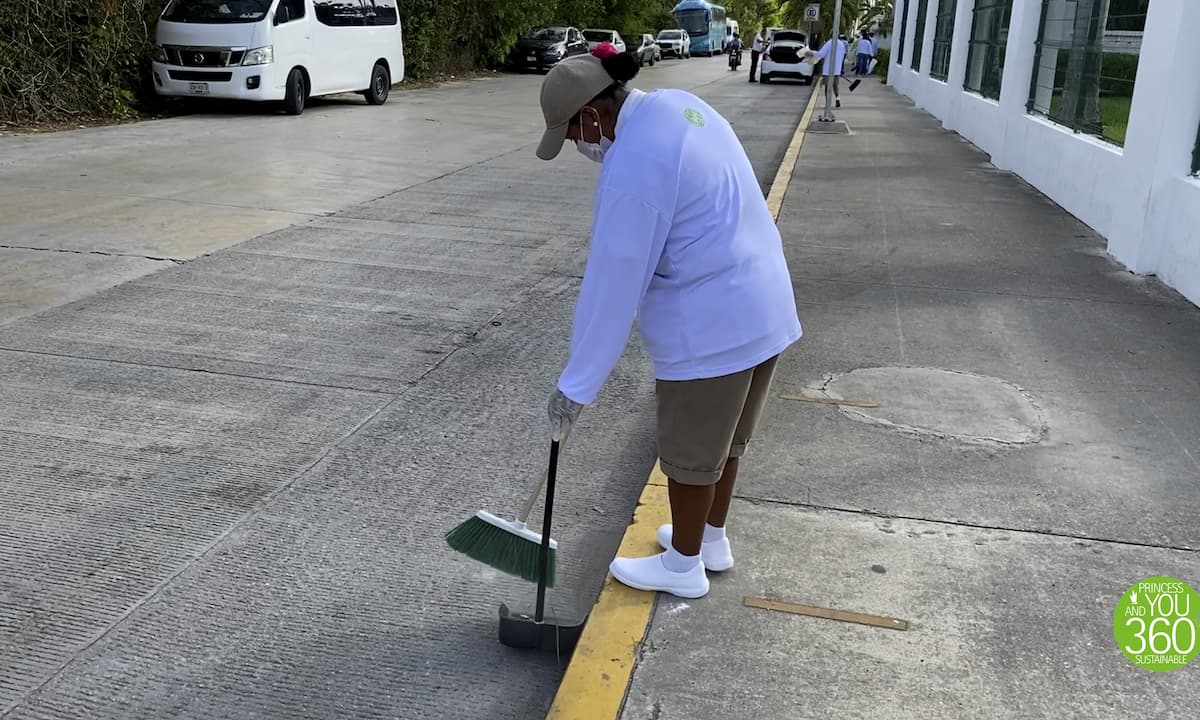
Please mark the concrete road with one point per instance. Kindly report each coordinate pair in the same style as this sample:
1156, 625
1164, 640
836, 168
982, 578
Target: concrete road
120, 202
255, 366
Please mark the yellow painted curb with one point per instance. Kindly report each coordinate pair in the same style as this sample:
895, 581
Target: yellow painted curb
598, 676
601, 668
783, 176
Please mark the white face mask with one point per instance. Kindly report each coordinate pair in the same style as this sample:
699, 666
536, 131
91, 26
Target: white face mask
593, 151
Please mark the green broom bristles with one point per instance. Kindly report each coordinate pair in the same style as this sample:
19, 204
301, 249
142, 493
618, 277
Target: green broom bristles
507, 546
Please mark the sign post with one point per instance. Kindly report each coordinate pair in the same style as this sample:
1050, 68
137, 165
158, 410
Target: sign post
812, 15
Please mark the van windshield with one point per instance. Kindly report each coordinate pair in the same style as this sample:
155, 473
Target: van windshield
669, 35
217, 11
597, 36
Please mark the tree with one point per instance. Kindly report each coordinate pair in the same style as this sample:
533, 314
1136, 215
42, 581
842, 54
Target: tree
791, 14
752, 15
886, 11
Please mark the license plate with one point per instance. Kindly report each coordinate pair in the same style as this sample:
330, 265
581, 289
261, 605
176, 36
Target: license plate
198, 88
531, 58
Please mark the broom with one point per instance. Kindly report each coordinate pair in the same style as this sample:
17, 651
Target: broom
507, 545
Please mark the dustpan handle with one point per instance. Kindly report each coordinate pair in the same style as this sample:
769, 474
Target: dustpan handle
544, 552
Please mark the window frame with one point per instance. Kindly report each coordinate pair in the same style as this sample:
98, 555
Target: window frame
919, 37
943, 39
903, 32
994, 47
1091, 55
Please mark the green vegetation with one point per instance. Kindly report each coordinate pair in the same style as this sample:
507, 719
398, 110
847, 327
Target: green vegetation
1114, 116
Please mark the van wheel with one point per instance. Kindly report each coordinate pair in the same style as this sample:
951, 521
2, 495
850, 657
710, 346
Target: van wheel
764, 78
381, 85
297, 92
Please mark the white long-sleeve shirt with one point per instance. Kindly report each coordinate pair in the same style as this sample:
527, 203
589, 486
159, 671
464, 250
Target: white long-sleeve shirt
683, 242
839, 62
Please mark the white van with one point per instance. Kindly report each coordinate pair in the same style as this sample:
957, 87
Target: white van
287, 50
731, 29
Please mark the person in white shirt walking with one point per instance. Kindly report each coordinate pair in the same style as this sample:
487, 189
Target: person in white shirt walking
834, 62
683, 242
865, 52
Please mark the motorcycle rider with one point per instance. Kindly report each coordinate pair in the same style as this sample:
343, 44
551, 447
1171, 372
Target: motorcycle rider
735, 52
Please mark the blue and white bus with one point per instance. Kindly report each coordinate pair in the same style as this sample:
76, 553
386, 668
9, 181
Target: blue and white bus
705, 25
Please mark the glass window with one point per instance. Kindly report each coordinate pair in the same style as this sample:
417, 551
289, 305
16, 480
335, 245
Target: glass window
943, 37
385, 11
919, 38
903, 32
340, 13
288, 11
989, 38
1086, 64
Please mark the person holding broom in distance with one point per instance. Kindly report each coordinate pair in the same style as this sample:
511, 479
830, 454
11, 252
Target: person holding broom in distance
683, 242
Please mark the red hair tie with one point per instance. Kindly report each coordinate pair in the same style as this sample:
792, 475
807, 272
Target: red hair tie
604, 50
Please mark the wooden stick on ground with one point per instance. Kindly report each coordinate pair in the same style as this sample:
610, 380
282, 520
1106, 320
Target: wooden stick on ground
827, 613
831, 401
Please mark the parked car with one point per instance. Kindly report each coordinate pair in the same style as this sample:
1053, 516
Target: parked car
647, 51
675, 43
541, 48
594, 37
785, 58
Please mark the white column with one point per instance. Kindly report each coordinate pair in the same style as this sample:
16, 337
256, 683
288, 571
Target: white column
959, 47
1162, 133
930, 32
1018, 71
897, 21
961, 44
910, 34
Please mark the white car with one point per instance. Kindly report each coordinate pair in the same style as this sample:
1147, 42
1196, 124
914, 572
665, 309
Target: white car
675, 42
785, 58
594, 37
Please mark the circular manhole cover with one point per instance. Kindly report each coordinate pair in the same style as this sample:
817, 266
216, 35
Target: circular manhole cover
942, 403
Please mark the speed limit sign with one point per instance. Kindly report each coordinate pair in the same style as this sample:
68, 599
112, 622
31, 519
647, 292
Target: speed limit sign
812, 13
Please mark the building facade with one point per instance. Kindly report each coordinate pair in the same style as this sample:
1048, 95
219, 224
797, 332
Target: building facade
1096, 103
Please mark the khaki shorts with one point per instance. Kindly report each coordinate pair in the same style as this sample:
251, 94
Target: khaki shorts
703, 423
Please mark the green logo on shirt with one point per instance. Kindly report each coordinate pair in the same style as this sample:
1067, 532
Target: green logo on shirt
694, 117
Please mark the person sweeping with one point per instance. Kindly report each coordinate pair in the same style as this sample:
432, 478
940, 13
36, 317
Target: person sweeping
682, 242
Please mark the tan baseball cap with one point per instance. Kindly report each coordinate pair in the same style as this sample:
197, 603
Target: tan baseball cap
568, 86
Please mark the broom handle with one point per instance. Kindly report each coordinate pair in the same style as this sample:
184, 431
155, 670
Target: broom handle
537, 489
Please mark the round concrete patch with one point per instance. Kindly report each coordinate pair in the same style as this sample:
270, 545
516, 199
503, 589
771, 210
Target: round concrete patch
941, 403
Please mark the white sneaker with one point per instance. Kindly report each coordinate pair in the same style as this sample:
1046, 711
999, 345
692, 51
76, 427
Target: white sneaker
649, 573
717, 555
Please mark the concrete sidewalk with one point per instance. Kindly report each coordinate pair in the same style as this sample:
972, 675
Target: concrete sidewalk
1034, 452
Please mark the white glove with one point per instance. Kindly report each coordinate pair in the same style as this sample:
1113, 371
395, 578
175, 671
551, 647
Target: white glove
562, 411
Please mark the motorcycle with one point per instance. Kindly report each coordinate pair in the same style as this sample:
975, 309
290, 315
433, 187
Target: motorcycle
735, 58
